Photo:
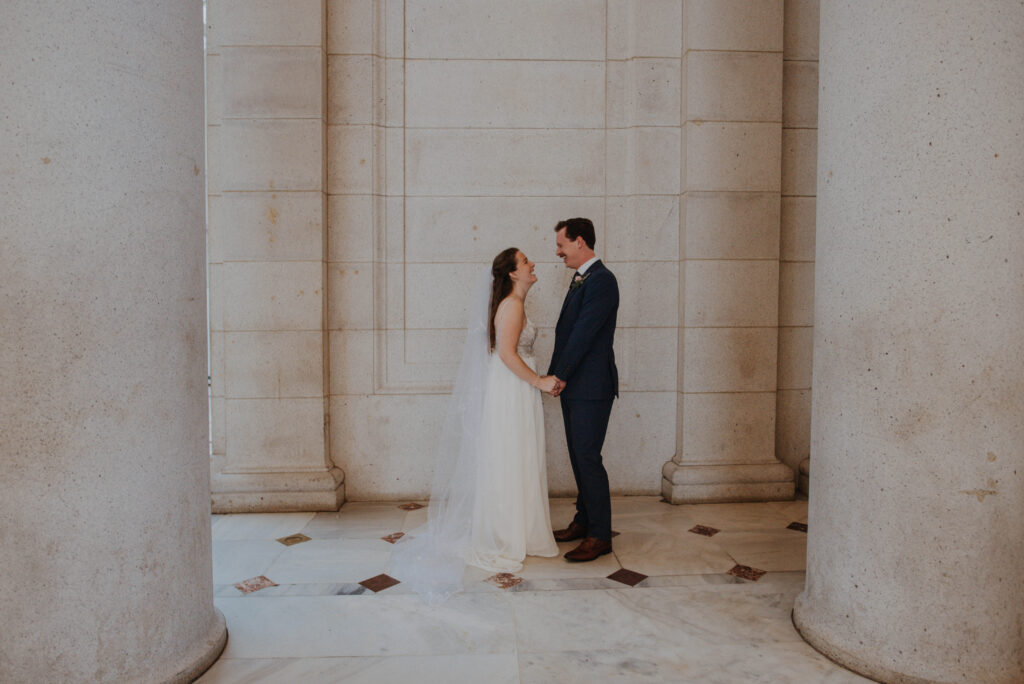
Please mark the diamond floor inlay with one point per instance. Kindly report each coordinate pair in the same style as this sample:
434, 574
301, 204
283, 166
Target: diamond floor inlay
379, 583
627, 577
746, 572
293, 539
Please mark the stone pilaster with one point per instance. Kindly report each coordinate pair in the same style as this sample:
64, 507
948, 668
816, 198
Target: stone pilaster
104, 457
915, 568
729, 255
266, 75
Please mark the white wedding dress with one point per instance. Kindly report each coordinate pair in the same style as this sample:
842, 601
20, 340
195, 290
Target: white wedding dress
489, 498
511, 519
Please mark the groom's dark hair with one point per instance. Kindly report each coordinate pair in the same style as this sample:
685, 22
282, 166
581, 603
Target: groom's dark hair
578, 227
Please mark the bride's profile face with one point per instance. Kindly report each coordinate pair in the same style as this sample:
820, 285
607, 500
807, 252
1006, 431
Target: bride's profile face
524, 270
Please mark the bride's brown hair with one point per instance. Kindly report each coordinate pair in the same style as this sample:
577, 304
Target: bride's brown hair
501, 285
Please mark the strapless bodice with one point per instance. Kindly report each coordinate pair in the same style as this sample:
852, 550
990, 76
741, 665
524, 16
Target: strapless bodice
526, 339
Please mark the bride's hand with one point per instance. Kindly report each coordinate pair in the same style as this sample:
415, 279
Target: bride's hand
546, 383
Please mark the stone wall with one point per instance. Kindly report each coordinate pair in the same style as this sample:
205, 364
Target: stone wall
404, 144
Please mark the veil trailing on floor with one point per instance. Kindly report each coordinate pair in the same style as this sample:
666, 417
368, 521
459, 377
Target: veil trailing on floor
431, 558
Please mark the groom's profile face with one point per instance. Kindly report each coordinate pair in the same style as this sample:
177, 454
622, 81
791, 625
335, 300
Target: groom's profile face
569, 251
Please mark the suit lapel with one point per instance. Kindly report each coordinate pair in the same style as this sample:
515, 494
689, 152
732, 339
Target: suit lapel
568, 295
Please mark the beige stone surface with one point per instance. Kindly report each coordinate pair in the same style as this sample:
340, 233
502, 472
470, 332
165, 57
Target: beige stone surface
797, 229
733, 156
732, 293
732, 225
267, 154
733, 25
348, 26
104, 510
489, 93
260, 82
263, 22
530, 29
536, 162
265, 226
728, 427
734, 86
642, 92
642, 161
800, 94
730, 359
799, 161
916, 501
796, 293
800, 30
644, 28
350, 86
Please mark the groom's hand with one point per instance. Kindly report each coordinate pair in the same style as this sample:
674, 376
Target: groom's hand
559, 386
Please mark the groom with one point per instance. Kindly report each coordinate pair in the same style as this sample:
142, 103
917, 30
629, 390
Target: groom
588, 382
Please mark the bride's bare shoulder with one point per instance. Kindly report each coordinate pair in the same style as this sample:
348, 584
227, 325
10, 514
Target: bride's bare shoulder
510, 307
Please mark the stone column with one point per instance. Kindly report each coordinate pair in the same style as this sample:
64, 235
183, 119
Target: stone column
915, 567
104, 466
266, 109
729, 255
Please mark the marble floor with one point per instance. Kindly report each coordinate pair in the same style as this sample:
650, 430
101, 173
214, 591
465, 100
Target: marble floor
707, 598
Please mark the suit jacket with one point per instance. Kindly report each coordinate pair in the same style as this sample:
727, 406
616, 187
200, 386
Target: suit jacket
583, 356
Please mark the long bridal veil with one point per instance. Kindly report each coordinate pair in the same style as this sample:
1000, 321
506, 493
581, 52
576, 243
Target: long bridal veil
431, 558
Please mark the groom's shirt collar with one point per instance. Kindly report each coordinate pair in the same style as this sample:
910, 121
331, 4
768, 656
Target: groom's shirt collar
583, 269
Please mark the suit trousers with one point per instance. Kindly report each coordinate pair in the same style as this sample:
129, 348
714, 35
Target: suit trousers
586, 422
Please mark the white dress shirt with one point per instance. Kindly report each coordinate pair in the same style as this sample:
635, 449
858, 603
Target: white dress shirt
583, 269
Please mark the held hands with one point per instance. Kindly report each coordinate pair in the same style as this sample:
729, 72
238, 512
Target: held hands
551, 385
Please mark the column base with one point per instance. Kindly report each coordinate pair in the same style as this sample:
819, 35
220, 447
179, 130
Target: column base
205, 654
276, 492
702, 483
803, 618
805, 476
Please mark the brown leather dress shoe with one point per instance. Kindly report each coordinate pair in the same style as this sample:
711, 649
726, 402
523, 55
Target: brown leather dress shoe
571, 533
589, 549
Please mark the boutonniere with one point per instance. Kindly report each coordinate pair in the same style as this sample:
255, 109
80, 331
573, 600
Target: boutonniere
578, 281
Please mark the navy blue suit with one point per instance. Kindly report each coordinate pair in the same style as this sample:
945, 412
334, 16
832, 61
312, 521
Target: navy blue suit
585, 360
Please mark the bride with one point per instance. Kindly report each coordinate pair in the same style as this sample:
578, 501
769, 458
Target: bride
489, 501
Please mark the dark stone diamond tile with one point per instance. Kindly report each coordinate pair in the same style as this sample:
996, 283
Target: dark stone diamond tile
746, 572
254, 584
411, 506
293, 539
393, 537
704, 530
798, 526
504, 580
379, 583
627, 577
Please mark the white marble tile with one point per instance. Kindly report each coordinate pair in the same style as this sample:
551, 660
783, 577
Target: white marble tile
535, 567
357, 520
330, 560
237, 560
770, 550
737, 516
263, 526
685, 618
781, 663
498, 668
682, 553
796, 511
367, 625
